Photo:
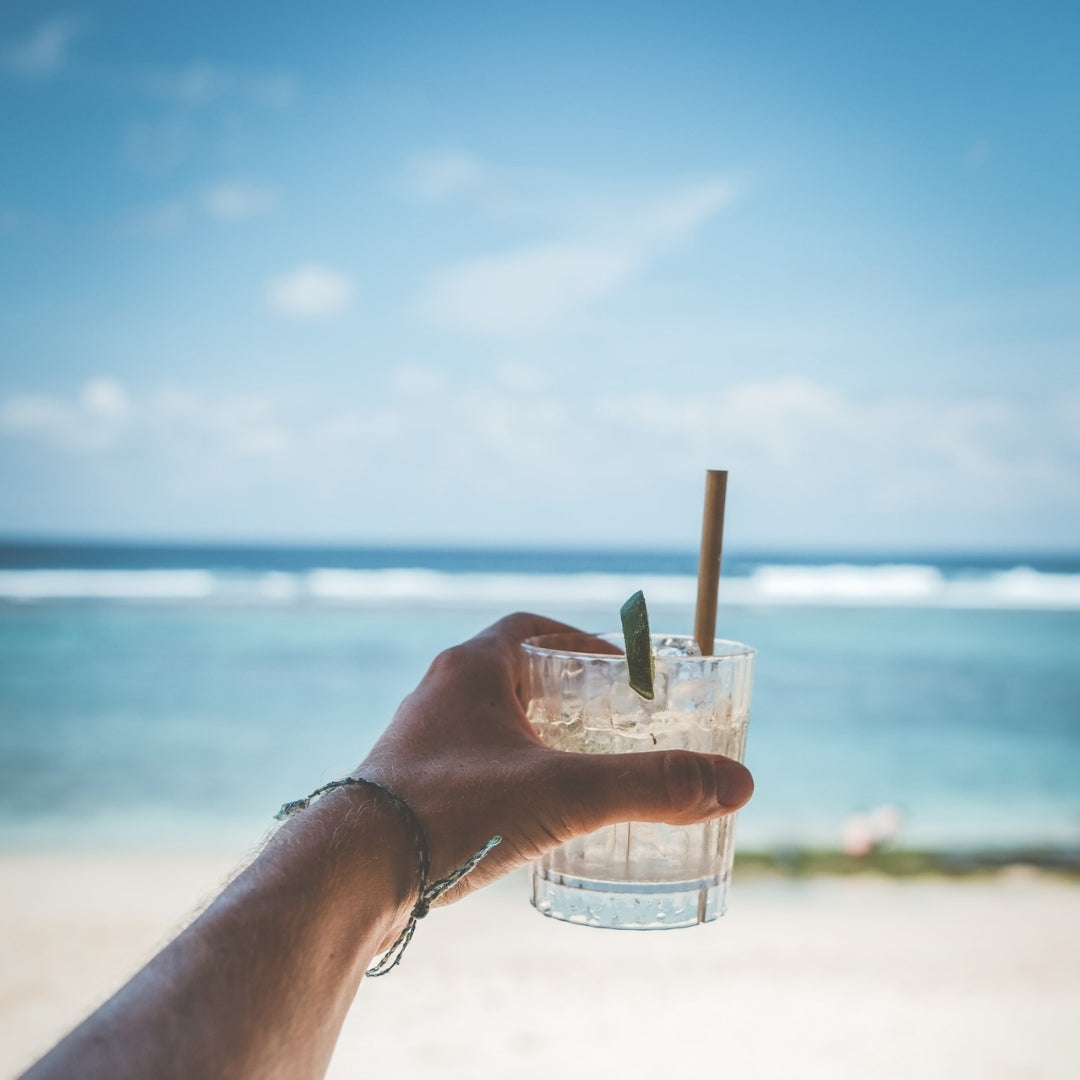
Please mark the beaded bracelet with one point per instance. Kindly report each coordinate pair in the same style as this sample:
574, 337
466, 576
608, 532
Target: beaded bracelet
428, 892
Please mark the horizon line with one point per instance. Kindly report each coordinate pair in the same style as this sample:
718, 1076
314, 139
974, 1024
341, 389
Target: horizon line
56, 540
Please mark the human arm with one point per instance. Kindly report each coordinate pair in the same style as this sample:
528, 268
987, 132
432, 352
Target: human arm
259, 985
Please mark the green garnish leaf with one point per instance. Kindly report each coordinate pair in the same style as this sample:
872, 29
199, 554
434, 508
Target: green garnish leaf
639, 657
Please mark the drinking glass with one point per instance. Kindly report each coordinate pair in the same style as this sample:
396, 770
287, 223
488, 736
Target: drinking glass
638, 875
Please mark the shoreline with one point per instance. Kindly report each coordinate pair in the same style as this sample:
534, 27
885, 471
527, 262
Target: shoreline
904, 863
780, 861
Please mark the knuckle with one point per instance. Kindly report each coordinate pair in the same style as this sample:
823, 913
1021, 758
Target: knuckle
452, 659
474, 661
685, 781
510, 627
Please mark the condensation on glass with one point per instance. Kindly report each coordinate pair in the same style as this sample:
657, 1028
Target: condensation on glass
638, 875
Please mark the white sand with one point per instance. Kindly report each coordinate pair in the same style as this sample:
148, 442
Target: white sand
838, 979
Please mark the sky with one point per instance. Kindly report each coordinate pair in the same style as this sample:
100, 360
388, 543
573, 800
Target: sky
518, 274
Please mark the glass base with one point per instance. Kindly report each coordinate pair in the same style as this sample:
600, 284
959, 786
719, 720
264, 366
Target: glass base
628, 905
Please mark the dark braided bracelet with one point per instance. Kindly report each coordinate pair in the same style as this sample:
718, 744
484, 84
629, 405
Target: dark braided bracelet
428, 892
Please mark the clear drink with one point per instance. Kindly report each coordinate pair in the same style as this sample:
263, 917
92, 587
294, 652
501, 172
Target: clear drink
638, 875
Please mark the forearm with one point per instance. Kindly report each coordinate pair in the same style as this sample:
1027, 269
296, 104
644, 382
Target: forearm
259, 984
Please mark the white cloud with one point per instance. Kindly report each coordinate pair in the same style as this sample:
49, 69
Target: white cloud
1067, 413
106, 400
808, 461
103, 415
195, 84
235, 426
686, 210
416, 379
802, 442
435, 177
36, 414
9, 219
518, 376
539, 288
44, 52
310, 292
353, 439
94, 420
237, 200
227, 202
529, 290
198, 83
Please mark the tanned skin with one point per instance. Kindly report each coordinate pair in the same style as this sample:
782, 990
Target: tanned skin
258, 986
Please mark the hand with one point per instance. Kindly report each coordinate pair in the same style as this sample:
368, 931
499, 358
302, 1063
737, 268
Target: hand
462, 753
259, 984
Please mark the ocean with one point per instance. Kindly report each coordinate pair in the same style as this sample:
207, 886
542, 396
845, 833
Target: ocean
173, 696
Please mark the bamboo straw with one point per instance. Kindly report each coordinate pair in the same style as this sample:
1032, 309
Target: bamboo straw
712, 541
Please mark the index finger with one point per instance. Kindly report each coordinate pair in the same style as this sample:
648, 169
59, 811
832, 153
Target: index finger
512, 630
509, 633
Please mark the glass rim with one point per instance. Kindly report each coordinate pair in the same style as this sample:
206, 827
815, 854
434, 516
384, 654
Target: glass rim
732, 650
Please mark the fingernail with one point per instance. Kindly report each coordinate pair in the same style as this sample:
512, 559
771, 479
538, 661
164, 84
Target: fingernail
734, 784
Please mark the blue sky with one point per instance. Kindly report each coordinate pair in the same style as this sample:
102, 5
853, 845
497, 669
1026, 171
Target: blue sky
518, 274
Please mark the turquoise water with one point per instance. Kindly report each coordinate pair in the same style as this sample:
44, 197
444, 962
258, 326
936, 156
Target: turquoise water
188, 720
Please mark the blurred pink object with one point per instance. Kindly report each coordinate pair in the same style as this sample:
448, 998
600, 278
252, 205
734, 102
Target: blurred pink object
863, 833
857, 837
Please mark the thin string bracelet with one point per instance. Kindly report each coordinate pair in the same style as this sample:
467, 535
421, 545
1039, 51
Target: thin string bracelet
427, 893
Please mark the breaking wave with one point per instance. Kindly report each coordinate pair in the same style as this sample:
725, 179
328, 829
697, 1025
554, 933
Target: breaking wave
885, 585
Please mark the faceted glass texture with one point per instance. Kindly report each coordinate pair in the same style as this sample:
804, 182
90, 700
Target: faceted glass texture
638, 875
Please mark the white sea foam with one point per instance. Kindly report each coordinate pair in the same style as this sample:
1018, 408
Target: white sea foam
434, 587
278, 587
902, 585
848, 584
769, 585
1025, 586
30, 585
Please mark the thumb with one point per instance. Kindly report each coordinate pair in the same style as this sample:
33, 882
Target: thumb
674, 786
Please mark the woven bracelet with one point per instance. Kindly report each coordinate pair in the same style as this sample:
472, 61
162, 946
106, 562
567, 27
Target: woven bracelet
428, 893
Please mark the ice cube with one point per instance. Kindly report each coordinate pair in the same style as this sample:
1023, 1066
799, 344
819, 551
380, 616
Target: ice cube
676, 646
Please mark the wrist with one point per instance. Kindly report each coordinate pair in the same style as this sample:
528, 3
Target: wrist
351, 847
371, 846
338, 821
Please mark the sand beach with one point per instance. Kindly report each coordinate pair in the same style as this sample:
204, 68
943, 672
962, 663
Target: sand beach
819, 977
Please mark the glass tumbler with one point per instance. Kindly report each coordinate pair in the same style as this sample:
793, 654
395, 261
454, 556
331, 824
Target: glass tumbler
638, 875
